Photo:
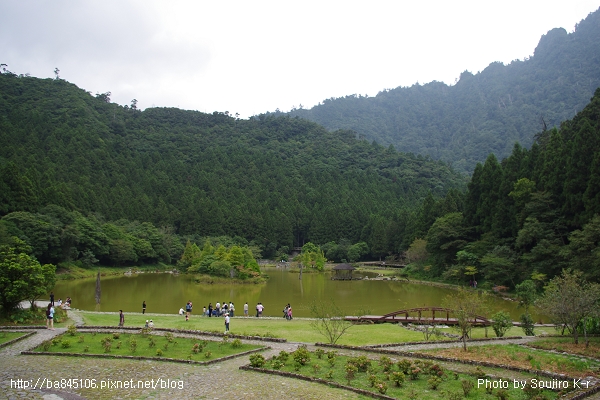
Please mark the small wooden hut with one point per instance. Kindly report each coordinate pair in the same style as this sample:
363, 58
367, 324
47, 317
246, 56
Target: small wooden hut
343, 272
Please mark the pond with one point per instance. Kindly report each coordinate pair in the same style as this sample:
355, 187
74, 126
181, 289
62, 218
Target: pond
166, 293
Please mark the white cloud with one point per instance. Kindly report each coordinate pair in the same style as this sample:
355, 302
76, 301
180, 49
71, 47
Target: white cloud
252, 57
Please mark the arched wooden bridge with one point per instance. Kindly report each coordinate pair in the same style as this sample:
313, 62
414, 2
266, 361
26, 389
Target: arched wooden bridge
424, 315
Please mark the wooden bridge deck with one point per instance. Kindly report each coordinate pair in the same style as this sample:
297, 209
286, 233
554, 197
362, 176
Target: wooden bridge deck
424, 315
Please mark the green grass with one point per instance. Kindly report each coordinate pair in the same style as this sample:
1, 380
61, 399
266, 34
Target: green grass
523, 357
8, 336
146, 345
296, 330
566, 344
450, 383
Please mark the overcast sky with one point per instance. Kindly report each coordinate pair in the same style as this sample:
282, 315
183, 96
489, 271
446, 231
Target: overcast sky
249, 57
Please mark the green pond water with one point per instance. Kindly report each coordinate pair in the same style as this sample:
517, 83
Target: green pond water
166, 293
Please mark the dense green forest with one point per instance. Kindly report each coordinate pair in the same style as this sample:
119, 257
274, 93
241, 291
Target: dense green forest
482, 113
529, 216
85, 179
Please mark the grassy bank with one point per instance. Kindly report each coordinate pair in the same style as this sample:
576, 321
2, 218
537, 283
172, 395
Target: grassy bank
66, 271
296, 330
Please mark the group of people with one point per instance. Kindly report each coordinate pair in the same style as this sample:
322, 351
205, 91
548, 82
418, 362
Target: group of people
219, 310
59, 303
287, 312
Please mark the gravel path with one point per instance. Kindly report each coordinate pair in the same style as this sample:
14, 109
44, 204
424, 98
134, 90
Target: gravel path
222, 380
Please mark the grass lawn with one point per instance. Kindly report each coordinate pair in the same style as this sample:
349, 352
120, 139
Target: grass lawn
8, 336
296, 330
566, 344
523, 357
417, 379
145, 345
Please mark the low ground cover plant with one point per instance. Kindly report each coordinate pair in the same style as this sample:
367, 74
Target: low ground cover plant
404, 378
527, 358
145, 345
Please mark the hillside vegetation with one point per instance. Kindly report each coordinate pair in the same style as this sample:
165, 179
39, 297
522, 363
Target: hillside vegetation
483, 113
276, 181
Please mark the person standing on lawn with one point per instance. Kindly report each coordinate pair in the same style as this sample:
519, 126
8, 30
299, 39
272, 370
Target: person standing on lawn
226, 322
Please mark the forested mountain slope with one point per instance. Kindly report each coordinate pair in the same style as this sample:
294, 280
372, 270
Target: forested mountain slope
530, 215
279, 181
483, 113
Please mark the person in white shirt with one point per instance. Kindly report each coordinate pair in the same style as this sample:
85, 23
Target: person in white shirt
226, 322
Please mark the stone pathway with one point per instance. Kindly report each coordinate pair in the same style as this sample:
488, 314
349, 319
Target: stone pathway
222, 380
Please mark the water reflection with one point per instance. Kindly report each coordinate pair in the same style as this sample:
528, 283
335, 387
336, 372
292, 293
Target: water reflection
166, 293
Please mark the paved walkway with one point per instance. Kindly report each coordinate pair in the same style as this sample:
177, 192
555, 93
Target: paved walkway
222, 380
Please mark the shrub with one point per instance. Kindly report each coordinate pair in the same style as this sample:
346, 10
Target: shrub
71, 330
398, 378
361, 362
351, 371
527, 324
277, 364
434, 382
236, 343
319, 353
86, 349
386, 363
116, 335
207, 354
414, 373
404, 366
301, 355
159, 352
316, 368
81, 339
467, 386
257, 360
196, 348
283, 356
502, 323
46, 345
132, 344
381, 387
169, 337
65, 344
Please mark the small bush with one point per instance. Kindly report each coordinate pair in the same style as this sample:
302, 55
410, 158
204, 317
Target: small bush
86, 349
301, 355
159, 352
65, 344
277, 364
381, 387
71, 330
208, 354
319, 353
283, 356
467, 386
236, 344
398, 378
502, 323
257, 360
386, 363
116, 335
434, 382
81, 339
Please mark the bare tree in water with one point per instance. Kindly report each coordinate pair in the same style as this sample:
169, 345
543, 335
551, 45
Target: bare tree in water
98, 291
